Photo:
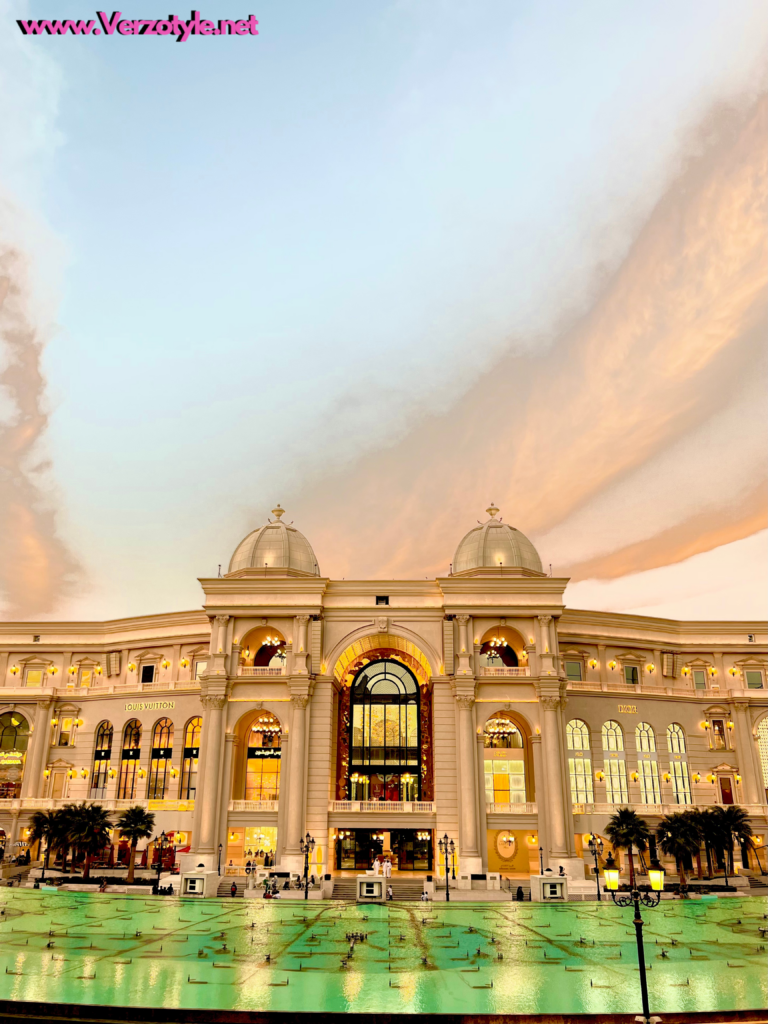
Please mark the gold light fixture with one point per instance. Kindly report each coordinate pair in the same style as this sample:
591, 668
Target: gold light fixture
165, 663
656, 876
592, 662
142, 773
112, 772
54, 721
611, 874
174, 772
84, 773
634, 776
738, 779
184, 663
132, 666
666, 777
712, 778
46, 773
98, 670
730, 726
612, 665
712, 670
733, 670
14, 670
650, 668
686, 670
72, 670
600, 776
79, 723
696, 777
71, 774
52, 670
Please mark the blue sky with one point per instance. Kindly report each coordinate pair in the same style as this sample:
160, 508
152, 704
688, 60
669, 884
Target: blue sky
258, 260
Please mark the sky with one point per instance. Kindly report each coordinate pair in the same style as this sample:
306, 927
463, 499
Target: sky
385, 263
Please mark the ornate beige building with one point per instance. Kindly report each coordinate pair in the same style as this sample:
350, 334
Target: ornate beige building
381, 715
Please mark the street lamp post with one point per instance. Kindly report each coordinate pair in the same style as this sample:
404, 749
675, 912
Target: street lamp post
634, 898
596, 849
541, 860
448, 850
307, 845
218, 865
160, 845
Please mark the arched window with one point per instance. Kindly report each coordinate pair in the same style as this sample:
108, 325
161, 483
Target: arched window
14, 737
101, 756
501, 732
577, 735
648, 772
762, 746
384, 733
262, 767
645, 739
579, 767
613, 737
160, 763
129, 760
190, 755
675, 739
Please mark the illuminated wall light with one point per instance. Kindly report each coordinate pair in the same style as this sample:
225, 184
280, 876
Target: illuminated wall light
142, 773
712, 778
712, 670
696, 777
730, 725
52, 670
650, 669
592, 663
79, 723
72, 670
612, 665
46, 773
14, 670
98, 670
733, 670
738, 779
84, 773
600, 776
686, 670
165, 663
634, 776
666, 777
132, 667
184, 663
54, 721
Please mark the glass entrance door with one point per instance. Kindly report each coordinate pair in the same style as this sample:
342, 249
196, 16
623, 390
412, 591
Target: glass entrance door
726, 788
412, 850
357, 848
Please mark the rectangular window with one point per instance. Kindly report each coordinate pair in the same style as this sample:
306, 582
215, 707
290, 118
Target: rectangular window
580, 770
86, 677
681, 787
34, 677
630, 674
650, 791
754, 679
505, 782
573, 670
65, 732
718, 734
615, 782
382, 600
699, 679
147, 673
200, 667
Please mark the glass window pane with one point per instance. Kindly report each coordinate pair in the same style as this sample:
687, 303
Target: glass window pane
754, 679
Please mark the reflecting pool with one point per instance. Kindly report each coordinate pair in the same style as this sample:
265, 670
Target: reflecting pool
402, 958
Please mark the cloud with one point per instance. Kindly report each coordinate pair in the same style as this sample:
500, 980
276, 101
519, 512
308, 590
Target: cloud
673, 335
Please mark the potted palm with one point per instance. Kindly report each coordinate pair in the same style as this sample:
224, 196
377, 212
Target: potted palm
626, 829
678, 836
134, 824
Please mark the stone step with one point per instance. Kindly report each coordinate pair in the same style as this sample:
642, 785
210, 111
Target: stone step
225, 888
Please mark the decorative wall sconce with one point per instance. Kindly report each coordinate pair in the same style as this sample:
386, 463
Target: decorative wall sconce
612, 665
600, 776
71, 774
98, 670
46, 773
54, 721
705, 725
112, 772
634, 776
132, 666
696, 777
650, 669
184, 663
174, 773
165, 663
733, 670
52, 670
712, 778
14, 670
730, 726
84, 773
686, 670
247, 652
142, 773
666, 777
593, 663
72, 670
738, 779
712, 670
79, 723
533, 840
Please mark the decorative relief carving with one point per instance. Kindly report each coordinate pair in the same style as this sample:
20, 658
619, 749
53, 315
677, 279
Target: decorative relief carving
550, 703
462, 619
299, 700
222, 620
382, 624
465, 702
213, 702
545, 619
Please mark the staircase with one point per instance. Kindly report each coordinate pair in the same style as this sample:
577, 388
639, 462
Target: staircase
225, 886
402, 888
758, 886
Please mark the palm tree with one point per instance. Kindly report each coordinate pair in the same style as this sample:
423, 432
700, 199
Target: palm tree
134, 824
60, 838
626, 829
44, 826
89, 826
699, 817
678, 836
732, 823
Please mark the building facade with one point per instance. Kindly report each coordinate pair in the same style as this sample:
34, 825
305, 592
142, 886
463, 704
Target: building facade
378, 716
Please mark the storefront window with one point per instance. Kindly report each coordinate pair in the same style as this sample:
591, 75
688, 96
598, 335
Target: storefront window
505, 782
14, 737
190, 757
129, 760
101, 756
262, 769
160, 762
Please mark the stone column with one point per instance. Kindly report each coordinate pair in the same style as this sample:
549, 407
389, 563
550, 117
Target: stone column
230, 746
741, 727
469, 852
602, 657
550, 735
482, 816
540, 795
544, 647
294, 817
206, 797
299, 648
38, 755
465, 647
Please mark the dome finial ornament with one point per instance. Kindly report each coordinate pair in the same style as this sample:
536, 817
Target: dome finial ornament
278, 511
496, 548
492, 510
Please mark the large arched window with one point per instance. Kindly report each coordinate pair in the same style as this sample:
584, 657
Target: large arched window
613, 737
645, 739
101, 756
579, 763
129, 760
384, 733
675, 739
160, 759
501, 732
190, 755
14, 737
762, 746
262, 767
614, 768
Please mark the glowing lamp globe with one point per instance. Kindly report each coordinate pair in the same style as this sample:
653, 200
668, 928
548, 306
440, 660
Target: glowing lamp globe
611, 874
656, 876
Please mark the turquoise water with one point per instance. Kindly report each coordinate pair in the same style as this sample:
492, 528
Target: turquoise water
479, 957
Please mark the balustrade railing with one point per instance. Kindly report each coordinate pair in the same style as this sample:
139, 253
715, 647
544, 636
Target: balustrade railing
260, 670
383, 806
526, 808
519, 670
253, 805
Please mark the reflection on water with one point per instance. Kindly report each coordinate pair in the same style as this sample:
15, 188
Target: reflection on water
412, 958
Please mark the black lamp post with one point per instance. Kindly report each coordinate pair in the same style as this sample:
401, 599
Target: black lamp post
161, 844
218, 865
448, 850
541, 860
634, 898
307, 845
596, 849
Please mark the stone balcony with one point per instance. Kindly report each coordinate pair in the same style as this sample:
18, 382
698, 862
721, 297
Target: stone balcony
32, 803
254, 806
382, 806
758, 810
527, 808
259, 670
